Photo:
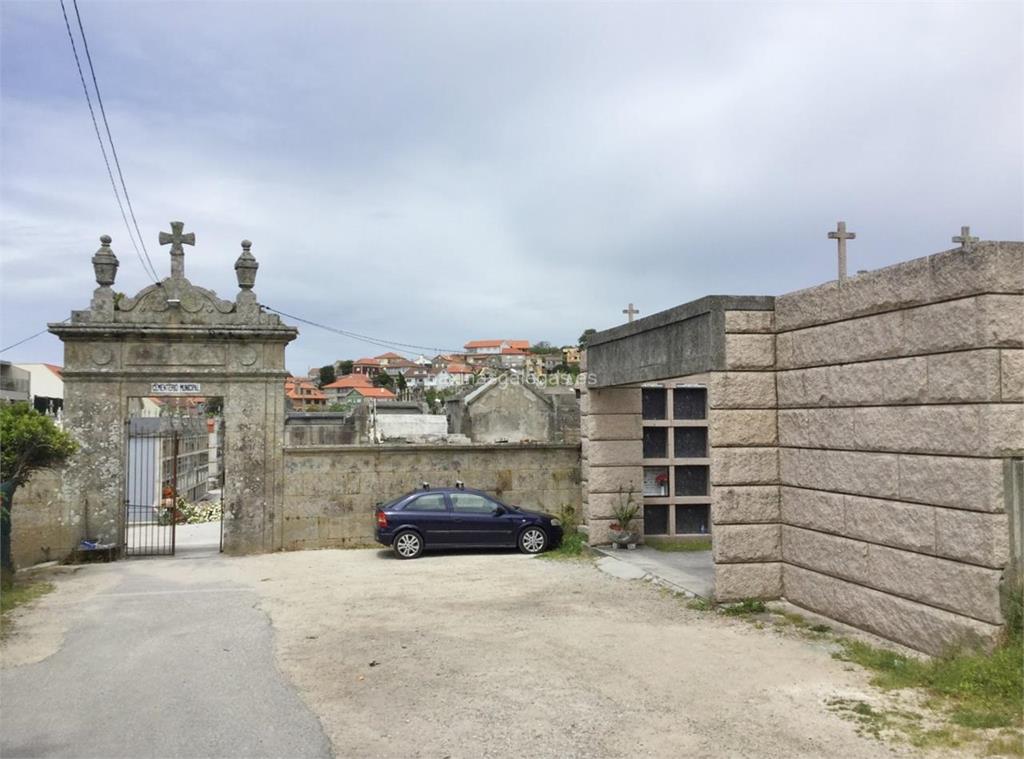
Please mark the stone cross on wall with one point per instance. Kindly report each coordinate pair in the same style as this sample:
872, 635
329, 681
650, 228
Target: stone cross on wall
842, 236
175, 239
965, 239
630, 312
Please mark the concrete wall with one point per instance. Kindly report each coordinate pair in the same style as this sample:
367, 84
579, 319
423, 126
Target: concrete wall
412, 427
899, 402
330, 492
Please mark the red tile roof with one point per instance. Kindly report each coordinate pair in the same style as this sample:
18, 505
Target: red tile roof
350, 380
375, 392
458, 369
366, 362
524, 344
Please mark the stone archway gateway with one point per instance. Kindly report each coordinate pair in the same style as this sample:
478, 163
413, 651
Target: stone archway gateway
175, 338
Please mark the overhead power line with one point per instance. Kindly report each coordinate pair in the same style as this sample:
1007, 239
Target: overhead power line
378, 341
26, 339
147, 264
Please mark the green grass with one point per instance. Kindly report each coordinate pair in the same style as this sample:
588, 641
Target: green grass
22, 593
981, 690
701, 544
746, 606
573, 546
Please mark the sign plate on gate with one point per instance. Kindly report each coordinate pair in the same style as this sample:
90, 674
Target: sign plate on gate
176, 388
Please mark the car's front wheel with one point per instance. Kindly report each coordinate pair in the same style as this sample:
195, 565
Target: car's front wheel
408, 545
533, 540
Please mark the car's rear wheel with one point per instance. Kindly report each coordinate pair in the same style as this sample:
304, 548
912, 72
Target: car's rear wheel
407, 545
533, 540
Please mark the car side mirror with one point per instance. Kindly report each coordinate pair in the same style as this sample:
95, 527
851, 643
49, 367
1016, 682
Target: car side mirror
498, 511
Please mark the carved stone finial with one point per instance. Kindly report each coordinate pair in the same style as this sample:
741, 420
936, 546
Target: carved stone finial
105, 263
245, 267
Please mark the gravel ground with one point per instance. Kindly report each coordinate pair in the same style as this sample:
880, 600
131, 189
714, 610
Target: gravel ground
502, 655
492, 655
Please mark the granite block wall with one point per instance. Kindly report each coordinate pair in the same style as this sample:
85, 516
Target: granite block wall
330, 491
899, 404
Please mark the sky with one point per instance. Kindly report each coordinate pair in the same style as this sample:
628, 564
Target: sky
432, 173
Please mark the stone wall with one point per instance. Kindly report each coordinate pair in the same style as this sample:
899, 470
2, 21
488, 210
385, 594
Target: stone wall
330, 491
899, 403
44, 527
743, 434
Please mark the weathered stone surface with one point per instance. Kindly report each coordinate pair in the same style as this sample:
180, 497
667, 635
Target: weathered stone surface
975, 429
602, 505
1001, 320
958, 587
44, 525
747, 542
815, 509
612, 426
736, 582
744, 351
749, 321
903, 525
612, 479
615, 452
854, 472
970, 323
974, 537
614, 400
900, 380
745, 504
744, 427
913, 624
816, 428
1012, 375
962, 483
336, 488
744, 466
842, 342
802, 308
987, 267
895, 287
963, 376
741, 390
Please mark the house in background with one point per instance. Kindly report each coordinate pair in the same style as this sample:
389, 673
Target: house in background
494, 347
356, 395
46, 387
302, 394
336, 391
14, 383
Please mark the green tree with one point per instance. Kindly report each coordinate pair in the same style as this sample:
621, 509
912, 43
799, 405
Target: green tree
383, 379
29, 441
586, 336
327, 375
400, 383
343, 367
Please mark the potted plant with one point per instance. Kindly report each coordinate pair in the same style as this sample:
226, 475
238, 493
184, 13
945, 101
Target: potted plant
622, 528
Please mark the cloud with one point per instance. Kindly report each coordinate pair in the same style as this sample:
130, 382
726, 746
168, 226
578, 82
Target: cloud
435, 173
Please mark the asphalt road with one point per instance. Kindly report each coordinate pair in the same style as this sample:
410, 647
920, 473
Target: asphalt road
167, 660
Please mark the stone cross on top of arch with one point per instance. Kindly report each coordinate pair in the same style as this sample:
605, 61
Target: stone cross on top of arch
175, 239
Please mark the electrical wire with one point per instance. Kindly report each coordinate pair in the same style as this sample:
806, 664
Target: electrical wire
381, 342
110, 137
30, 337
147, 265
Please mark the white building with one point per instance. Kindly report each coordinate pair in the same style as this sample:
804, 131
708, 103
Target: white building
46, 387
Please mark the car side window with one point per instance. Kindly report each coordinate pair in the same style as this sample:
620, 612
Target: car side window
469, 503
428, 502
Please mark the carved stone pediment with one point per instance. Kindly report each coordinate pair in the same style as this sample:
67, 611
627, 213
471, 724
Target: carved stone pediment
189, 303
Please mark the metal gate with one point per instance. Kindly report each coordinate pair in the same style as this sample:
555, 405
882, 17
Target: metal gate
151, 487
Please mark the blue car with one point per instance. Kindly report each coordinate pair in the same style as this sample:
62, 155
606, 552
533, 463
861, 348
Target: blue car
461, 518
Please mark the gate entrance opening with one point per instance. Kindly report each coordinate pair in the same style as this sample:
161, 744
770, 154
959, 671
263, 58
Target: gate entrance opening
174, 476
